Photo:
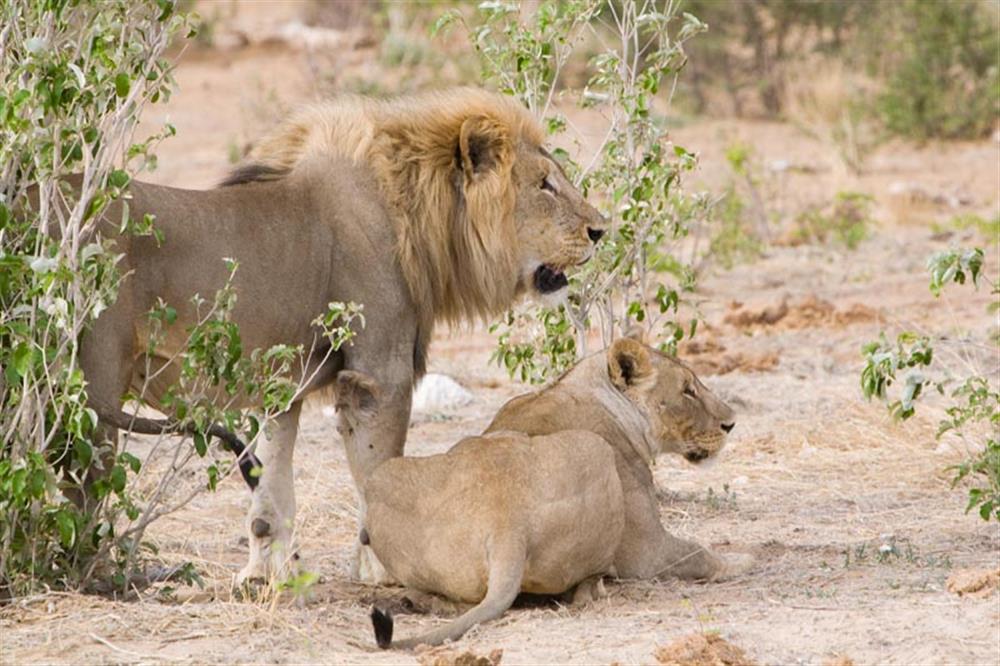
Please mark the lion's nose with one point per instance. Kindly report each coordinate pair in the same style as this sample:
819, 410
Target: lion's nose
728, 427
594, 234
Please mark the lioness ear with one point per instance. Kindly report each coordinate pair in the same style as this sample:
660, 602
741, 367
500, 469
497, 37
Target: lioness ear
482, 146
628, 363
357, 392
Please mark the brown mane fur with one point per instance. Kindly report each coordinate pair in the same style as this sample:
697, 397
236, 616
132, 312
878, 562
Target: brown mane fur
456, 240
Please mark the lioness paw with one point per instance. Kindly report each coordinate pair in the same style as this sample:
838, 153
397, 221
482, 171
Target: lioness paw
733, 565
589, 590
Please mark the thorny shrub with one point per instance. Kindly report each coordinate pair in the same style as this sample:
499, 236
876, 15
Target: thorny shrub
973, 395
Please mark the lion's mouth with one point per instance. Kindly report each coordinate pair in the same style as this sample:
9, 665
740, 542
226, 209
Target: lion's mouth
696, 456
548, 279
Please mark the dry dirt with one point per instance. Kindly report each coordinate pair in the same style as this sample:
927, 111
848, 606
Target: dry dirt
852, 518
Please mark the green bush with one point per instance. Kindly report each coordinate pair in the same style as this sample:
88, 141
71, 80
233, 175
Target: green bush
847, 220
74, 77
933, 63
636, 276
740, 220
973, 409
943, 76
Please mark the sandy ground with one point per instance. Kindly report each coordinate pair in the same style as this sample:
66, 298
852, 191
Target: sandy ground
852, 518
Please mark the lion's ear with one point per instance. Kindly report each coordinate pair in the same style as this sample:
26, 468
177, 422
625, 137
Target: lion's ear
629, 363
482, 146
636, 332
356, 392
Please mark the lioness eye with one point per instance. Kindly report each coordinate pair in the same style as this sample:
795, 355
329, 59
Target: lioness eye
688, 391
547, 186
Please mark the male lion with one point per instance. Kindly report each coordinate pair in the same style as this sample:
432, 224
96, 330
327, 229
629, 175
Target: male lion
557, 491
439, 207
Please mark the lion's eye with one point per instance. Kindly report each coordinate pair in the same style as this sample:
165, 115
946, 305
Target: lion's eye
689, 392
547, 186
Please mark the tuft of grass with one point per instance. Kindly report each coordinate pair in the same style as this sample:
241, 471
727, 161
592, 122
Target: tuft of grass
734, 241
720, 501
847, 221
989, 229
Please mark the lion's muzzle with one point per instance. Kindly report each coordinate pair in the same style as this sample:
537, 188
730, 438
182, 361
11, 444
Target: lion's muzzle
548, 280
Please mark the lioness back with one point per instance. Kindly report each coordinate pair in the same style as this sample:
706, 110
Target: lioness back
436, 522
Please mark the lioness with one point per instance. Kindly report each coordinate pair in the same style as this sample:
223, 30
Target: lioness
439, 207
556, 491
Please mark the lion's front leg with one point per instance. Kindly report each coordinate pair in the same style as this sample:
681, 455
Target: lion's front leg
648, 550
372, 436
686, 560
271, 520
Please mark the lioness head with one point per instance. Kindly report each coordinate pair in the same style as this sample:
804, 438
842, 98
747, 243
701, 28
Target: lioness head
682, 415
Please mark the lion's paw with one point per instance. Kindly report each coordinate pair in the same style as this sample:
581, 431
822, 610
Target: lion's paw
271, 558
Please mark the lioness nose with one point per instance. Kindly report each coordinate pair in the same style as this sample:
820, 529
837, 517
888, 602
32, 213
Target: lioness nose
728, 426
594, 234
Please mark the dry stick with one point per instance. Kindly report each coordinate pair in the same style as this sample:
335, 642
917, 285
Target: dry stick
107, 643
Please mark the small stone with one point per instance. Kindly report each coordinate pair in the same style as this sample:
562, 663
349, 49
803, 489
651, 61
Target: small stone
438, 392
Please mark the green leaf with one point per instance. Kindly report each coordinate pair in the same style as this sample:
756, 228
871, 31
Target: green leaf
83, 453
201, 443
122, 84
36, 484
117, 479
21, 362
444, 22
118, 178
66, 527
134, 463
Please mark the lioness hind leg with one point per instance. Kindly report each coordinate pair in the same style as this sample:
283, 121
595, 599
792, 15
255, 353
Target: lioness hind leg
271, 519
365, 565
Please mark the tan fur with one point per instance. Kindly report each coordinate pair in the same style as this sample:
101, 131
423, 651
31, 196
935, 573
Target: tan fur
460, 258
556, 492
644, 404
422, 209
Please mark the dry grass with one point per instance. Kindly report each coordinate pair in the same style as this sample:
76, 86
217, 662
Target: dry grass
821, 96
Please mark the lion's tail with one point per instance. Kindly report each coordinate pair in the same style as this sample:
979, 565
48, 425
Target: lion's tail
245, 458
502, 588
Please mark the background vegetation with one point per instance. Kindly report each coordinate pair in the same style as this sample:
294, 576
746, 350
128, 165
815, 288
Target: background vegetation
75, 76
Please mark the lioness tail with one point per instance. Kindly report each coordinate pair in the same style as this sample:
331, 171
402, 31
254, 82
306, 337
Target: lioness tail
382, 623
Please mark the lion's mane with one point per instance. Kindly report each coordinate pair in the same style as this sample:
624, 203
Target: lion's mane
457, 244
